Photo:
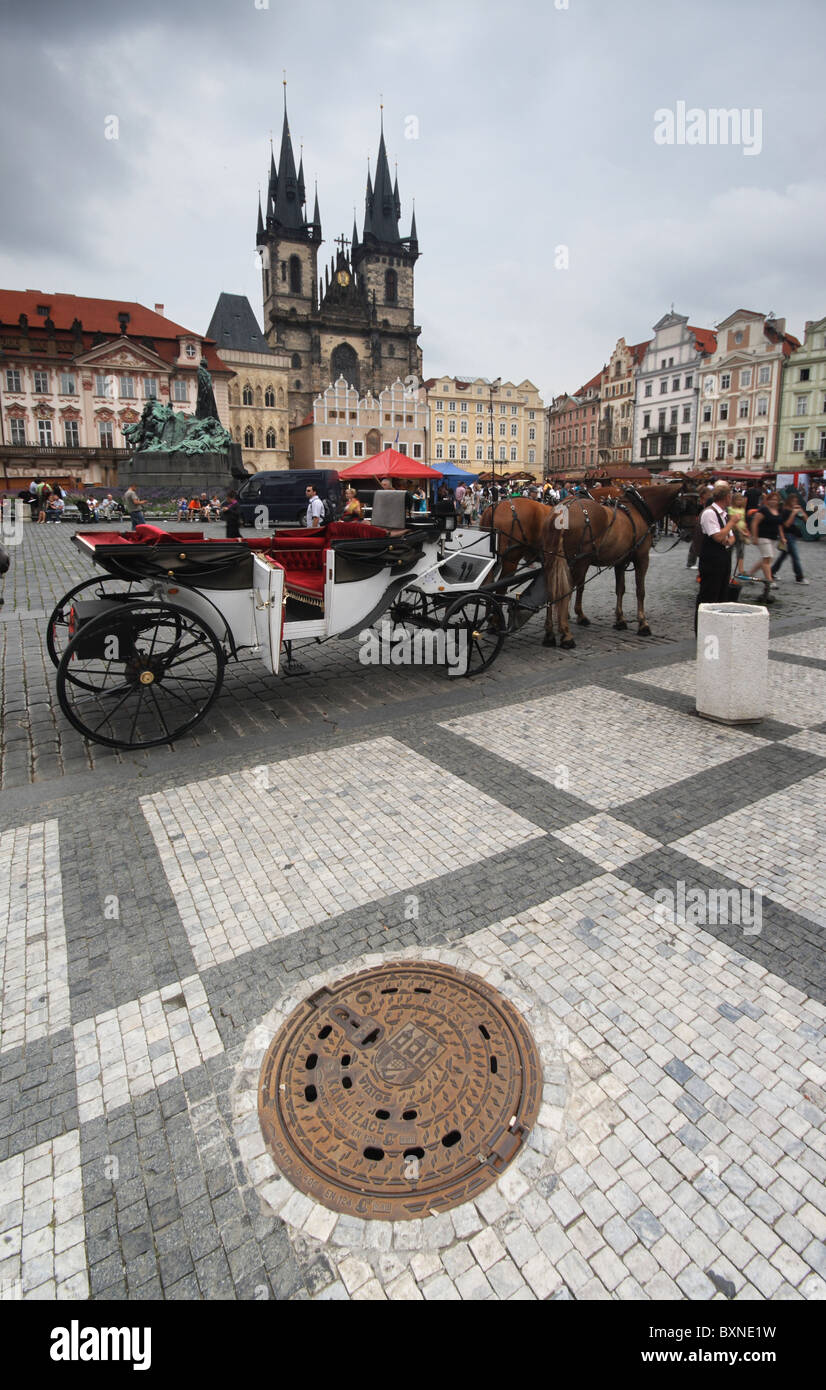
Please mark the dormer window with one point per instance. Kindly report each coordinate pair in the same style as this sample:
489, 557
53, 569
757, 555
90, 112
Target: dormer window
43, 310
190, 350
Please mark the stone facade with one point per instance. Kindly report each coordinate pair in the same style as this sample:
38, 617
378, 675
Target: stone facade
475, 423
572, 430
346, 427
74, 371
802, 428
615, 436
741, 386
358, 321
667, 393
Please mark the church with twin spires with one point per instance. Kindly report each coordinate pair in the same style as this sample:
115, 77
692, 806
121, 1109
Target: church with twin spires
356, 320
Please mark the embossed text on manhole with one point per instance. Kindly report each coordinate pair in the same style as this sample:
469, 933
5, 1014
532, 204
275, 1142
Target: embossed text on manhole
400, 1091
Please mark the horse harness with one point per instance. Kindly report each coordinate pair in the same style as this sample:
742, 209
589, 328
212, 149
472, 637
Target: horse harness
638, 503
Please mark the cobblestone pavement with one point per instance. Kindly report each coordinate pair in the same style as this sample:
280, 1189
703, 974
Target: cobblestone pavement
648, 890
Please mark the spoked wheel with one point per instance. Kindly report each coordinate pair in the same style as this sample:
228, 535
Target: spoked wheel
144, 673
410, 606
61, 623
484, 625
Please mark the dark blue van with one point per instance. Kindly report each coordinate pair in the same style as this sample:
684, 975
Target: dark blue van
283, 494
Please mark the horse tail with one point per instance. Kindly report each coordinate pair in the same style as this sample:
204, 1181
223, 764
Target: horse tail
557, 571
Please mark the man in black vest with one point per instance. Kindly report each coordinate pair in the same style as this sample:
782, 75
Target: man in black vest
715, 550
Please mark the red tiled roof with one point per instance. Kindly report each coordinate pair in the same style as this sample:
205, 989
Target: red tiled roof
705, 338
101, 316
595, 381
638, 350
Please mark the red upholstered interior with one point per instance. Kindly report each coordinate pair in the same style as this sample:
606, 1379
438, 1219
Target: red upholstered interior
153, 535
354, 531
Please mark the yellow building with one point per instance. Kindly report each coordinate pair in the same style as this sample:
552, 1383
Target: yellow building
475, 423
258, 392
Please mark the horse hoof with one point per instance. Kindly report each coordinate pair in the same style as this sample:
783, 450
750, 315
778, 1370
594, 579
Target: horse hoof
567, 643
644, 631
549, 641
621, 626
584, 622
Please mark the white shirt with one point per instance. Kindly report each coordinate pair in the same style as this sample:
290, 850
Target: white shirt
713, 519
315, 508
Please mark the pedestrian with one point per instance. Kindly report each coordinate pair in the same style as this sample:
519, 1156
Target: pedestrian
183, 509
694, 548
353, 510
5, 561
133, 505
737, 511
231, 513
44, 492
717, 530
790, 512
315, 506
766, 529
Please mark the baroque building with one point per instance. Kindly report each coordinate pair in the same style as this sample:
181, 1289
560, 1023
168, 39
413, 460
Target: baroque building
74, 371
476, 423
356, 322
257, 396
802, 430
740, 399
668, 393
345, 427
615, 436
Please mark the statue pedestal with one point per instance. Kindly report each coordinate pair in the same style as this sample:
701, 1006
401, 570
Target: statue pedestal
187, 473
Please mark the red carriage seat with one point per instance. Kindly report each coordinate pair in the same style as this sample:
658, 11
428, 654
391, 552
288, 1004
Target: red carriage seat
153, 535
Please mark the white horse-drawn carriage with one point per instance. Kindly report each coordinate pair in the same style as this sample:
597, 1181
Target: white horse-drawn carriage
141, 649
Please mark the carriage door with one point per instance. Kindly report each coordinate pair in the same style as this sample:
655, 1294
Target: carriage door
268, 611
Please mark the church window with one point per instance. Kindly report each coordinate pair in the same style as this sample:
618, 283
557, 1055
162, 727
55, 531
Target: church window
249, 437
391, 351
344, 362
284, 270
295, 275
269, 397
297, 384
295, 361
281, 397
270, 439
247, 395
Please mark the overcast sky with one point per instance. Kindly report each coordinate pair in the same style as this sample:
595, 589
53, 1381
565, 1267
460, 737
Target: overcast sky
536, 130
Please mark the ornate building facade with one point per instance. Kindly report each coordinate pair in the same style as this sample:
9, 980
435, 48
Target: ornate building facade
802, 430
356, 322
741, 386
668, 392
345, 427
74, 371
257, 396
615, 436
475, 423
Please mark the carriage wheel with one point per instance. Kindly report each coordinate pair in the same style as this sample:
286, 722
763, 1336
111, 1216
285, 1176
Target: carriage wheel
410, 606
481, 618
60, 631
156, 672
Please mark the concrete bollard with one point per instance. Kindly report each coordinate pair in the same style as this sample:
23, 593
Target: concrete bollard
732, 662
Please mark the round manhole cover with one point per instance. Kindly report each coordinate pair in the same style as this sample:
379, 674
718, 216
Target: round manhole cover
400, 1091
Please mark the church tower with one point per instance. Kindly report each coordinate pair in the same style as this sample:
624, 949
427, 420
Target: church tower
289, 242
356, 322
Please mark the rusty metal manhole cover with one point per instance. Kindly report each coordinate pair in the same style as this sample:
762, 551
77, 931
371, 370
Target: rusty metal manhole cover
399, 1091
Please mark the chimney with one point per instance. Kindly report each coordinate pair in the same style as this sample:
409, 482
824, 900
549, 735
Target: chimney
158, 308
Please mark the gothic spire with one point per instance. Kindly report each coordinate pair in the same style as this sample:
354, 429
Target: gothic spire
302, 195
260, 228
287, 208
368, 204
316, 216
384, 221
396, 198
414, 236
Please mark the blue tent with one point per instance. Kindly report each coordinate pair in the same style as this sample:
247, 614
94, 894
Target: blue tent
452, 476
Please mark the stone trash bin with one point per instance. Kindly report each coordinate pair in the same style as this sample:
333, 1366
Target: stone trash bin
732, 662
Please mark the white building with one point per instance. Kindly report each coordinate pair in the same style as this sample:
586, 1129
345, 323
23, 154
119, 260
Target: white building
667, 393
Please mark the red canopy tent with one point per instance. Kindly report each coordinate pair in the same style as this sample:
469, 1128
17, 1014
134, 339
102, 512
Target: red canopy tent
389, 464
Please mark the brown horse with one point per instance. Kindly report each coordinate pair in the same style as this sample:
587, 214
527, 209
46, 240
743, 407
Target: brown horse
518, 523
600, 534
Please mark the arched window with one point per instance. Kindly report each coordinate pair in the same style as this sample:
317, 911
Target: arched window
344, 362
247, 394
295, 361
269, 396
391, 287
295, 275
297, 384
249, 438
270, 439
281, 397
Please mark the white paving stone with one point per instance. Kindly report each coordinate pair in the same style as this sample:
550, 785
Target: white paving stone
794, 818
124, 1055
34, 983
796, 694
812, 643
607, 841
50, 1261
587, 741
321, 834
